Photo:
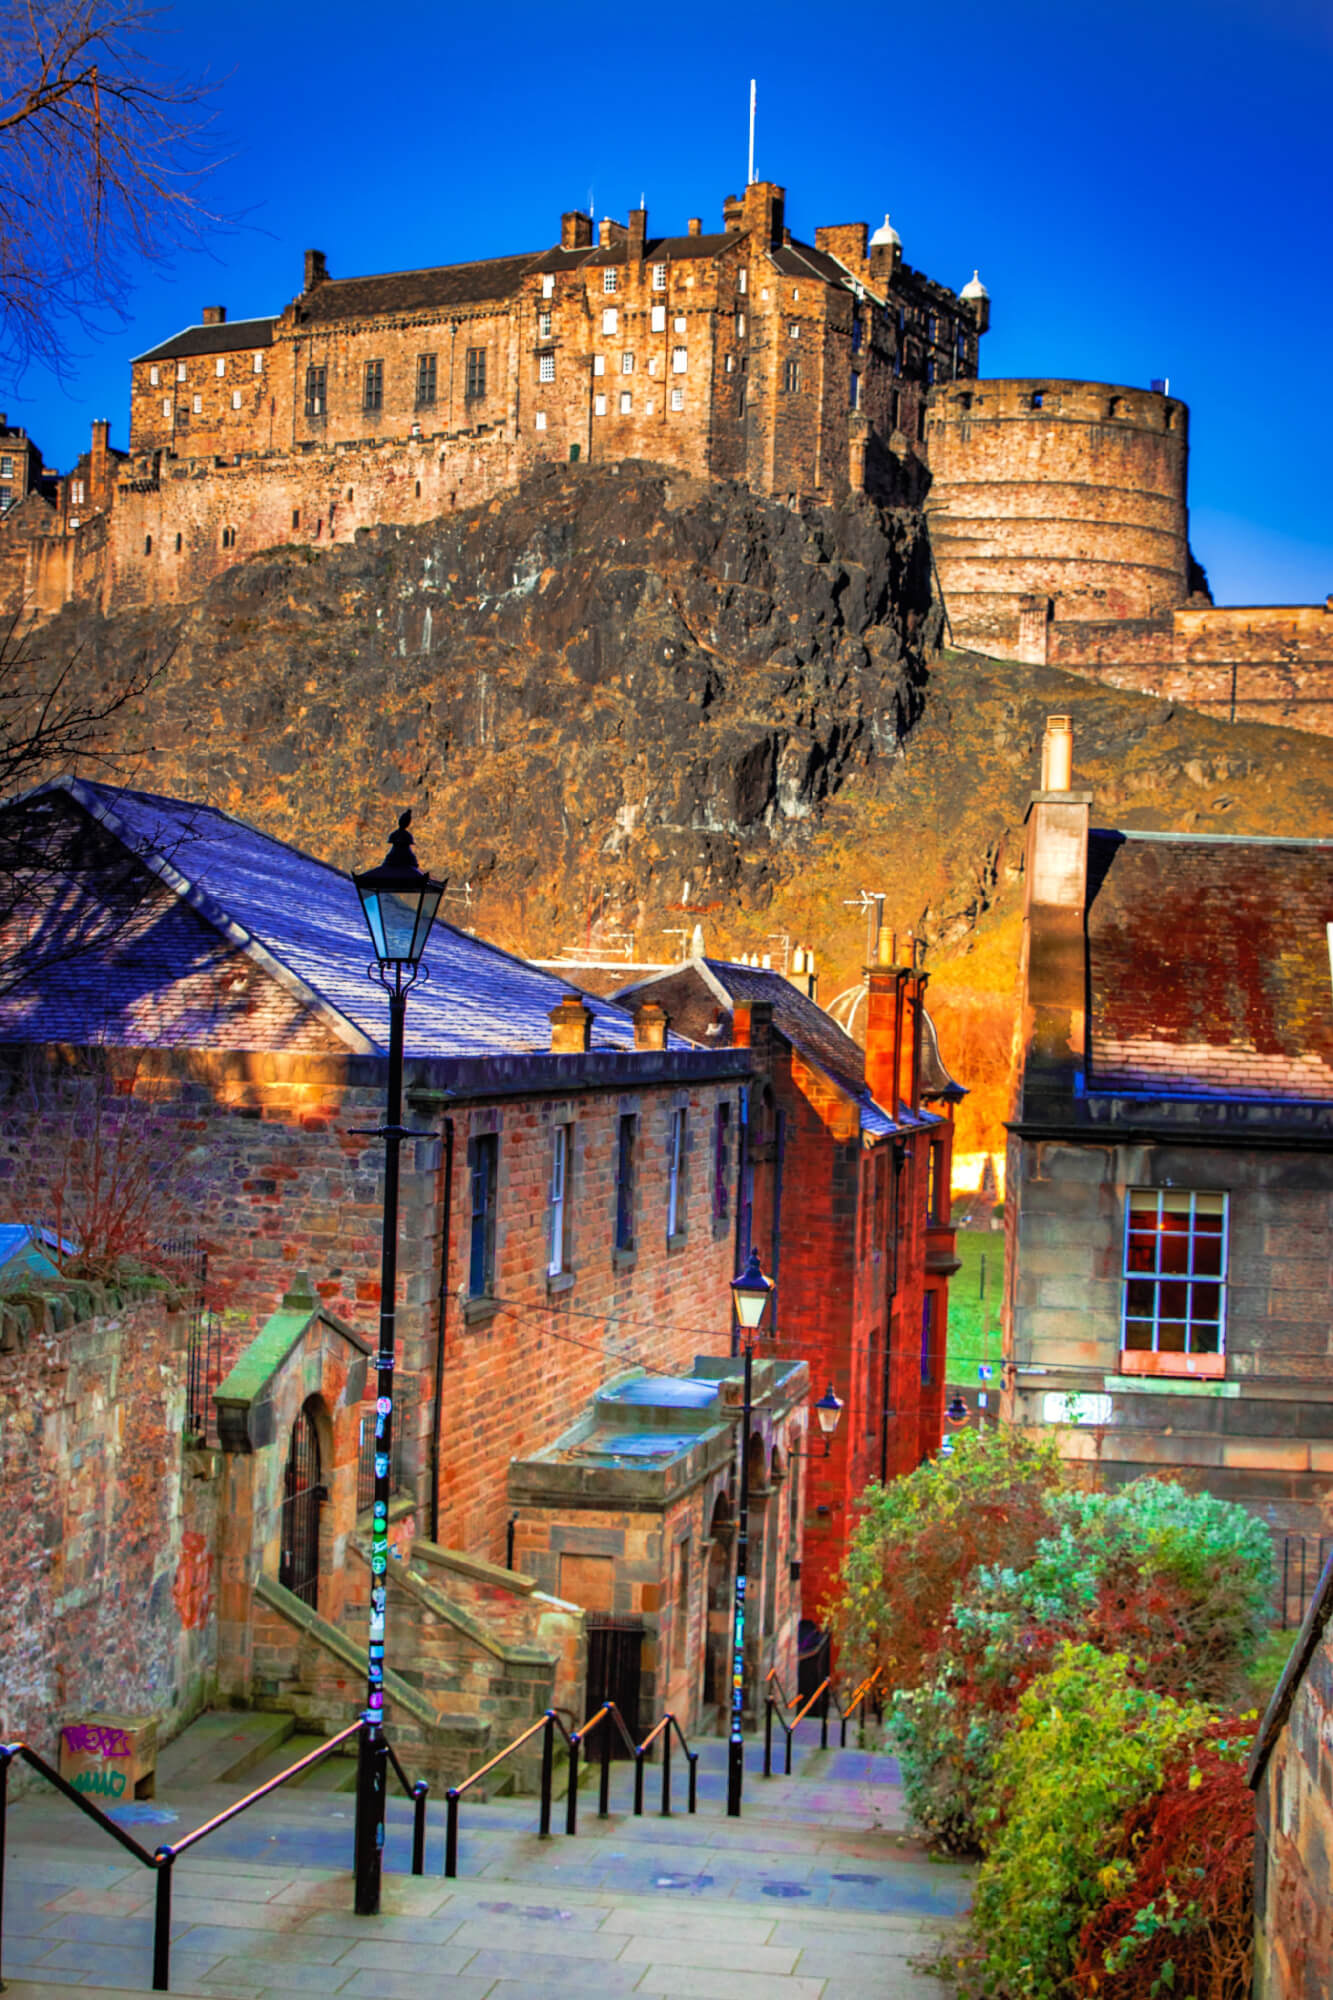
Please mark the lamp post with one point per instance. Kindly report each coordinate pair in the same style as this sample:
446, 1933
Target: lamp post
750, 1293
399, 903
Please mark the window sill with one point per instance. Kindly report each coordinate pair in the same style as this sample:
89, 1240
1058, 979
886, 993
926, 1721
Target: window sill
477, 1311
624, 1260
678, 1240
558, 1281
1139, 1361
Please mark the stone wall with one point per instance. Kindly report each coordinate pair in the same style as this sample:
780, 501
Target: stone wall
1292, 1772
109, 1523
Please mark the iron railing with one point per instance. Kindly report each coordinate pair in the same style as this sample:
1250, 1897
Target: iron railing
778, 1706
1302, 1565
163, 1860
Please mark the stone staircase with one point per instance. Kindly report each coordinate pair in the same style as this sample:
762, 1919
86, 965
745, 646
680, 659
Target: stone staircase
817, 1893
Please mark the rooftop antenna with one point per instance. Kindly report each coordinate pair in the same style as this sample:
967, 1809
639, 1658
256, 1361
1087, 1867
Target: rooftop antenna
749, 179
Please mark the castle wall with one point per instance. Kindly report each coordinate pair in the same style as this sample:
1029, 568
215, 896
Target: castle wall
1073, 492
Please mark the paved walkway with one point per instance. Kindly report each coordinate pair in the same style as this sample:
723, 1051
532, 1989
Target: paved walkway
816, 1894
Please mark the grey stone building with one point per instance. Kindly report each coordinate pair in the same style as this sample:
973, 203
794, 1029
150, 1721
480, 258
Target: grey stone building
1169, 1279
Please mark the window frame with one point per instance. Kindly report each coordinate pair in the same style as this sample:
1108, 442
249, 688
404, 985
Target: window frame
610, 279
428, 380
722, 1164
316, 389
546, 366
791, 376
1192, 1358
484, 1178
474, 375
372, 387
557, 1203
659, 277
677, 1142
625, 1235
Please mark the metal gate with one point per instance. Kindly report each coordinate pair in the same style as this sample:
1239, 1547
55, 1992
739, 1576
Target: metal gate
613, 1673
298, 1565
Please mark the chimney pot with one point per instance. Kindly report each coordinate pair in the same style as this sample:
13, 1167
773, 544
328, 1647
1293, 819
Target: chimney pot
1057, 754
650, 1026
571, 1027
215, 315
695, 225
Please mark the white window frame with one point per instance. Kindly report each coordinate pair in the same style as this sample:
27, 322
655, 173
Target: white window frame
236, 399
599, 406
197, 406
678, 399
675, 1167
679, 323
626, 403
180, 371
610, 279
599, 364
627, 363
259, 364
659, 277
548, 285
154, 376
557, 1211
544, 324
541, 420
658, 321
680, 360
793, 329
742, 282
610, 319
220, 367
166, 406
546, 367
1189, 1203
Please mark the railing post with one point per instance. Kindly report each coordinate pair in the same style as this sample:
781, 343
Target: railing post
450, 1835
572, 1795
786, 1767
548, 1767
694, 1778
604, 1790
666, 1771
638, 1780
166, 1861
823, 1720
419, 1791
768, 1735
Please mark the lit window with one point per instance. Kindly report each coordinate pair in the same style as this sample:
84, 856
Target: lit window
675, 1173
659, 319
259, 364
679, 360
599, 364
610, 279
541, 420
546, 368
548, 286
626, 402
474, 379
154, 377
372, 394
1175, 1282
659, 277
236, 399
198, 405
599, 406
544, 325
627, 364
220, 366
679, 323
556, 1210
483, 1170
610, 319
180, 371
678, 399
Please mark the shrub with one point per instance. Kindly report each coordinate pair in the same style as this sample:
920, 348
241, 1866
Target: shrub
1089, 1746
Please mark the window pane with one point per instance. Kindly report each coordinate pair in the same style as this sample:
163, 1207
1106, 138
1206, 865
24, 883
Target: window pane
1208, 1256
1138, 1335
1175, 1245
1206, 1302
1139, 1295
1206, 1340
1142, 1254
1171, 1338
1173, 1301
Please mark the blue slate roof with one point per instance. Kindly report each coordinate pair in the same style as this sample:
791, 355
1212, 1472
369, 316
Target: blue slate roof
239, 888
23, 1252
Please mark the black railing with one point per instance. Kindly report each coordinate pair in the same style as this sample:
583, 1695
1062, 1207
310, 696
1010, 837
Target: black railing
546, 1727
1303, 1559
777, 1706
203, 1372
163, 1860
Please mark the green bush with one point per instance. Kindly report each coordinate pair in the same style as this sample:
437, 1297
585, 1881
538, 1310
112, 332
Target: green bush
1088, 1747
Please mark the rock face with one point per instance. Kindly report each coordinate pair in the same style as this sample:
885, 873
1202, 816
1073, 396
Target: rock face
606, 696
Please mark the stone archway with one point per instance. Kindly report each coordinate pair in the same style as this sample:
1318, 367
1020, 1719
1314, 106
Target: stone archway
303, 1491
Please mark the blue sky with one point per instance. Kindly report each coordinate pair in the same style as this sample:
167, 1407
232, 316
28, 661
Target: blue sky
1145, 189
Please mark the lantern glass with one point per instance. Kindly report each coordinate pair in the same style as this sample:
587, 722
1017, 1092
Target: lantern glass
751, 1292
829, 1410
399, 901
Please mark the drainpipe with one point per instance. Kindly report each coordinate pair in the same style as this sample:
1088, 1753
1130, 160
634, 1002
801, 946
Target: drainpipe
441, 1308
775, 1261
894, 1207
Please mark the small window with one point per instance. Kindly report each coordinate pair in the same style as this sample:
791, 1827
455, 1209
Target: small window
625, 1137
679, 360
929, 1307
179, 540
296, 517
680, 1607
930, 327
372, 392
1175, 1282
314, 392
659, 277
854, 392
791, 375
858, 333
229, 538
930, 371
721, 1164
599, 364
658, 324
474, 379
548, 285
740, 326
154, 377
557, 1209
1117, 408
427, 380
610, 279
148, 545
728, 363
540, 420
742, 282
626, 402
678, 399
793, 329
679, 323
166, 406
627, 364
544, 326
610, 319
599, 406
675, 1217
76, 485
197, 405
483, 1166
236, 399
1037, 399
259, 364
180, 371
546, 367
220, 366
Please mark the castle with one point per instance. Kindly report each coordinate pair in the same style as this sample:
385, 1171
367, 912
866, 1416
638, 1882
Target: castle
1058, 510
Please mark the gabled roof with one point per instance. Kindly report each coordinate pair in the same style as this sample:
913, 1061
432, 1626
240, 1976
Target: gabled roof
224, 338
1209, 966
239, 890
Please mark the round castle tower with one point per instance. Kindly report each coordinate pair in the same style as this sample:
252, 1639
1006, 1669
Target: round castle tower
1055, 500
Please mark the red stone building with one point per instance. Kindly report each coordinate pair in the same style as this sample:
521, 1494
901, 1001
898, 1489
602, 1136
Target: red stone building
844, 1192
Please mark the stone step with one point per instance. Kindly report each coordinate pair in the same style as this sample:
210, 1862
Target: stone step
335, 1774
221, 1747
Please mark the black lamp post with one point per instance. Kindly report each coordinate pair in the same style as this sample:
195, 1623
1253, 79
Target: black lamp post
399, 904
750, 1293
829, 1412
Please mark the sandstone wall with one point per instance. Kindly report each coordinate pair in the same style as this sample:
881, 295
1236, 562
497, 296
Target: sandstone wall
1293, 1957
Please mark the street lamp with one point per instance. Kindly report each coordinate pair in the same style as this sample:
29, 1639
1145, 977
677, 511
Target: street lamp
750, 1294
399, 903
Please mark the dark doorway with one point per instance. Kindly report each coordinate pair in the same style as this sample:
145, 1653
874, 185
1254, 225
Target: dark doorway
613, 1673
298, 1565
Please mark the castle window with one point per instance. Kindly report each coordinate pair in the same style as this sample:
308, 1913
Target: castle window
544, 325
179, 540
794, 330
610, 279
740, 401
75, 487
154, 377
599, 364
166, 406
475, 386
296, 517
180, 371
930, 327
857, 333
1037, 397
741, 278
372, 393
791, 375
679, 360
627, 364
659, 319
426, 379
599, 406
679, 323
659, 277
626, 402
729, 363
259, 364
148, 545
894, 405
930, 371
236, 399
546, 367
548, 285
965, 400
315, 404
854, 397
678, 399
198, 405
220, 366
1117, 408
740, 326
610, 319
228, 538
541, 420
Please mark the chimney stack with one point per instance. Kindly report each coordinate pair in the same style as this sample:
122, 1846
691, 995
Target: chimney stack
695, 225
571, 1027
575, 230
316, 270
650, 1026
1054, 999
638, 233
1057, 754
215, 316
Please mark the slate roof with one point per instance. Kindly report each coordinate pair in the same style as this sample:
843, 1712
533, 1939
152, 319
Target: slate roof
220, 339
1209, 966
238, 888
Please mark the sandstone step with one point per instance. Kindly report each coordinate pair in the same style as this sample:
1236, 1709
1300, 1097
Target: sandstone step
335, 1774
221, 1746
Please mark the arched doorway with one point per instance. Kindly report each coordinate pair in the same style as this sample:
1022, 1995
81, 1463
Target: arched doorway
717, 1647
302, 1492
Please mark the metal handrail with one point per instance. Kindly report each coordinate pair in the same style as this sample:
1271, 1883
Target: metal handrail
664, 1729
545, 1726
607, 1713
163, 1860
777, 1707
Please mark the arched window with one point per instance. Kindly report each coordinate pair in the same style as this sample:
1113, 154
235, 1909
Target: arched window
302, 1492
